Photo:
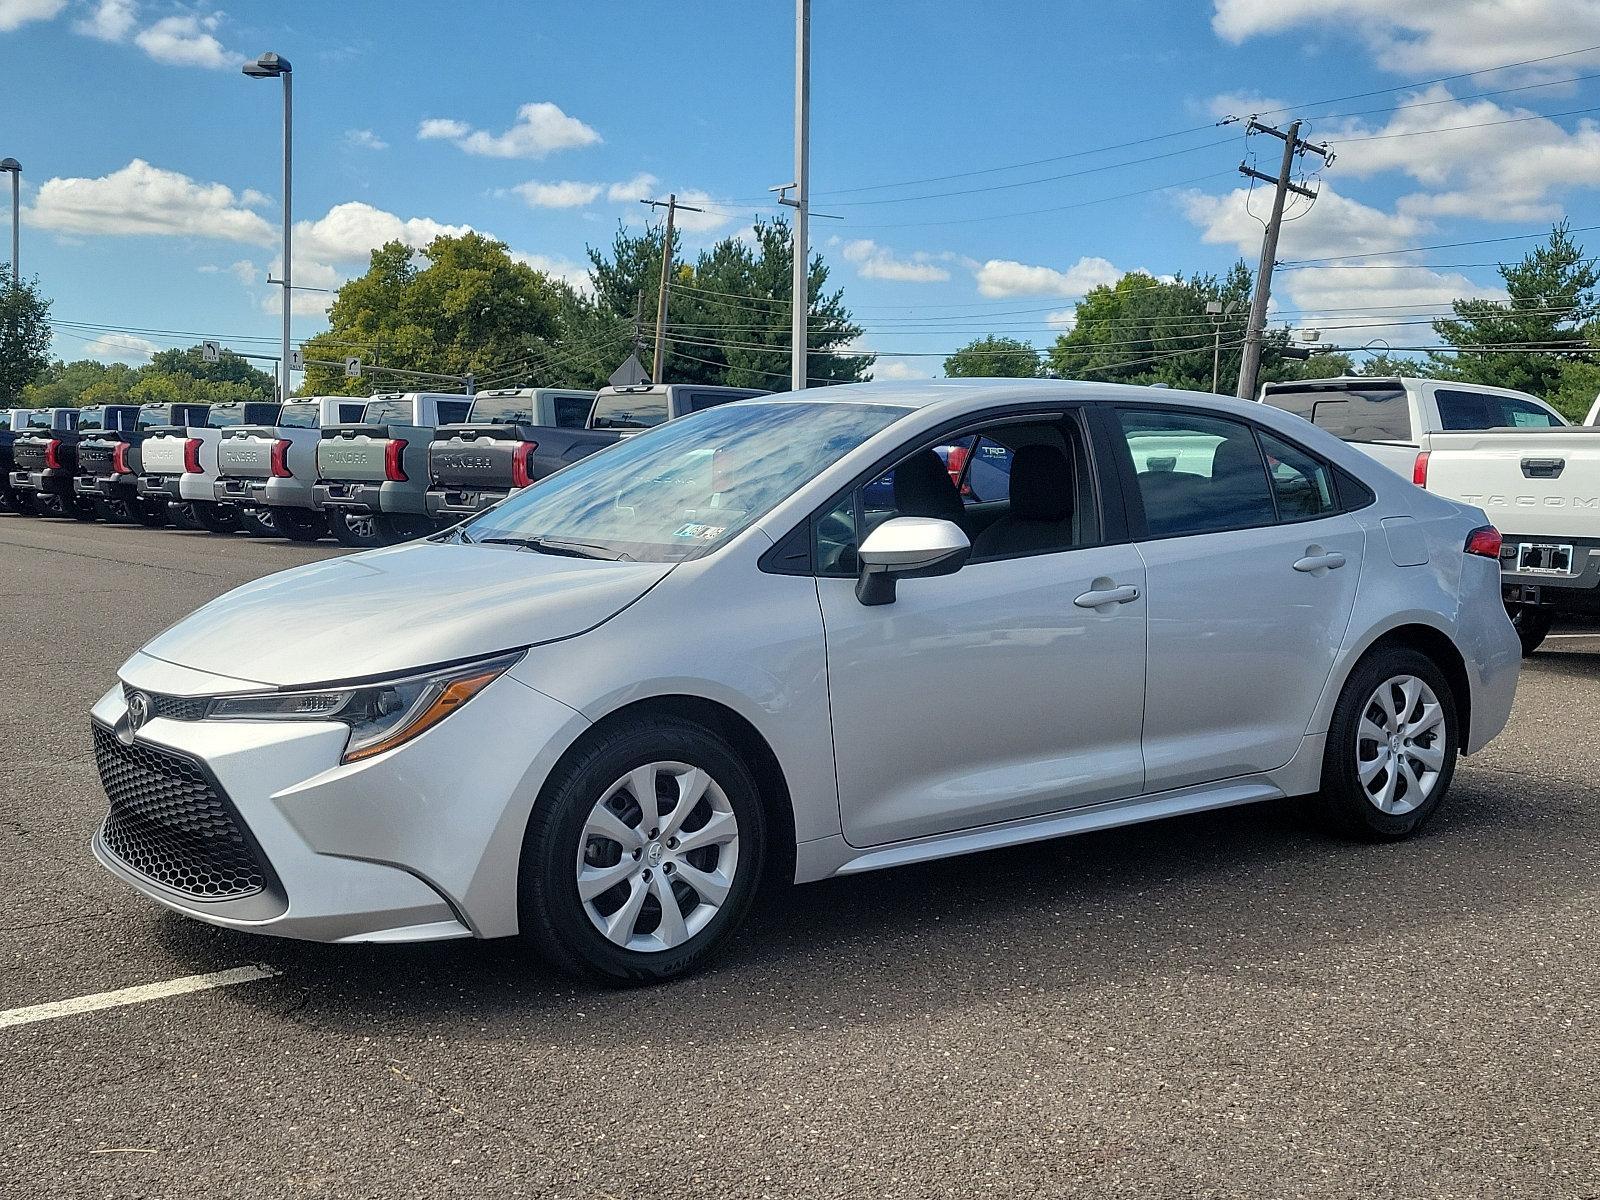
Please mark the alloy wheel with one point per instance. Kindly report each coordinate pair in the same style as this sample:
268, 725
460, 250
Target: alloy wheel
657, 856
1400, 745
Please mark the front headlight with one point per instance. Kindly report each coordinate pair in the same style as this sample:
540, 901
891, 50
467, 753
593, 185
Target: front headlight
382, 715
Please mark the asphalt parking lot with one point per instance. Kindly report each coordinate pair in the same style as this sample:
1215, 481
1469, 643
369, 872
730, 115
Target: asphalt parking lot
1224, 1005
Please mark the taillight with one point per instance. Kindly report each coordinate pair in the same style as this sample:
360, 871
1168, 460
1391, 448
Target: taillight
119, 459
280, 459
393, 461
519, 464
191, 456
52, 455
1484, 542
1419, 469
956, 462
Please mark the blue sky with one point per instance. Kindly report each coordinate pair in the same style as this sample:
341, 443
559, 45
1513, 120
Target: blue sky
151, 165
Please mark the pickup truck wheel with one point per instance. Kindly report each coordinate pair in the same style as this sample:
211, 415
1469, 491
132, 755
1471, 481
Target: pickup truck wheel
393, 528
150, 513
300, 525
215, 518
353, 529
80, 509
1532, 626
642, 855
260, 522
1391, 749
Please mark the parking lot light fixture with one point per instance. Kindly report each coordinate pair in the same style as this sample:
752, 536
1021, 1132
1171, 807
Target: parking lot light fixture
273, 66
12, 167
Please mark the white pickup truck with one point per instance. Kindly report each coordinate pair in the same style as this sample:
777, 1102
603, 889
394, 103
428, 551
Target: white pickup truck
270, 470
1508, 453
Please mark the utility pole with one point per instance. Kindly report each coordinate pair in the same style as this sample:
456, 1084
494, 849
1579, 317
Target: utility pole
801, 302
1250, 362
672, 206
638, 323
1218, 312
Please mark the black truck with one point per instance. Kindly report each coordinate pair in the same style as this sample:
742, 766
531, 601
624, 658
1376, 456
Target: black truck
44, 459
480, 462
110, 462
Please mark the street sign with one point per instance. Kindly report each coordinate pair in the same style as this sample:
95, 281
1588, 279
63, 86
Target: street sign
210, 351
629, 374
297, 359
352, 367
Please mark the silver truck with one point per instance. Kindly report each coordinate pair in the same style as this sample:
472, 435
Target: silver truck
179, 465
269, 471
484, 459
374, 473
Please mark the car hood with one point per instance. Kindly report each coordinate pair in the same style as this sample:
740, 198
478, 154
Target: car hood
389, 611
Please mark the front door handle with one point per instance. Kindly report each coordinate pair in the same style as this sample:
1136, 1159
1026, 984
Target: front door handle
1318, 560
1103, 598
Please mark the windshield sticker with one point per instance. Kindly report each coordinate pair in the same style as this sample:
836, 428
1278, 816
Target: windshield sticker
700, 533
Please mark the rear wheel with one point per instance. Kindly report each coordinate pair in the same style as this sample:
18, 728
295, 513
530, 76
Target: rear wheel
81, 508
353, 529
397, 527
214, 517
151, 513
260, 522
643, 855
300, 524
1391, 749
1532, 625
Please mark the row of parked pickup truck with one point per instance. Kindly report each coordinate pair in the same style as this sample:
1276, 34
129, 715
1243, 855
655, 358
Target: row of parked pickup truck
366, 472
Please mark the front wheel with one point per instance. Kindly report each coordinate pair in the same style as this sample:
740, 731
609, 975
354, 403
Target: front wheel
643, 855
1532, 625
1391, 749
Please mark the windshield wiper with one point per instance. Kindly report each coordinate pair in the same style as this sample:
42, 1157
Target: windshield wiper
557, 546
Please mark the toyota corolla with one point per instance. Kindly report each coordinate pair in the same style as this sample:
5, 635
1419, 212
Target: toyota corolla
788, 637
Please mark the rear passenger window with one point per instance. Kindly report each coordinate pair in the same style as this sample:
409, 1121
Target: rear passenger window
1196, 473
1482, 410
1303, 486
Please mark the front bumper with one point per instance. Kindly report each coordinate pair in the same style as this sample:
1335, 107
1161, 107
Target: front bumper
453, 505
52, 481
390, 849
264, 493
389, 497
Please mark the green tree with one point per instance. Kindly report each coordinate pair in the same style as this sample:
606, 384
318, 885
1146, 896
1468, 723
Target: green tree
469, 307
728, 311
1386, 364
994, 357
1550, 318
74, 384
24, 335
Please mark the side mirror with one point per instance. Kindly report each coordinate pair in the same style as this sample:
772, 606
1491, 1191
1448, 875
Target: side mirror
908, 548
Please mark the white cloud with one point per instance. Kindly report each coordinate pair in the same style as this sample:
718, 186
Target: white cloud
186, 41
640, 187
540, 129
442, 127
1004, 277
876, 262
245, 271
1065, 319
14, 14
119, 347
575, 275
350, 231
141, 199
365, 139
1242, 104
895, 368
111, 21
568, 193
708, 220
1416, 36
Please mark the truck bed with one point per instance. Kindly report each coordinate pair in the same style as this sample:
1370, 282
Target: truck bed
1535, 482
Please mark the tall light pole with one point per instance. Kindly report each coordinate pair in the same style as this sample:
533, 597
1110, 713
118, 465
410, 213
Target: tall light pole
802, 193
271, 66
13, 168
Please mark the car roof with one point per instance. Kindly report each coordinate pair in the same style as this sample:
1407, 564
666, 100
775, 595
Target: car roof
925, 393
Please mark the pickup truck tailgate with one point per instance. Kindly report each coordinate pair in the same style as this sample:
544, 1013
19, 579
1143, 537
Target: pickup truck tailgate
95, 457
162, 455
28, 455
476, 458
1544, 484
245, 453
354, 452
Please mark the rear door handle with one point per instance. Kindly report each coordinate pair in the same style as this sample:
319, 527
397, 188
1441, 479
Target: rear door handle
1318, 560
1104, 598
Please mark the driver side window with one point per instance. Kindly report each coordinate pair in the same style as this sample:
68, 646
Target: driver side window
1016, 488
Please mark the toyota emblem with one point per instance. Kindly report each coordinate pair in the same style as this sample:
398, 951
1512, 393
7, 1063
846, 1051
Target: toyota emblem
138, 710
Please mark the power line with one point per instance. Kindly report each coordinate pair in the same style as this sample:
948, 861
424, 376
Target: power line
1515, 237
1369, 112
1383, 137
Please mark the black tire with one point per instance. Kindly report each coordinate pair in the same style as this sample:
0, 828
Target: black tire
150, 513
214, 517
182, 515
1532, 625
80, 508
353, 529
394, 528
259, 522
1343, 801
551, 915
300, 524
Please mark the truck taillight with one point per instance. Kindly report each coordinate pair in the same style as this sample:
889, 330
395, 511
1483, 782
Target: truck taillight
52, 454
956, 462
394, 469
191, 456
280, 459
119, 459
1419, 469
520, 476
1484, 542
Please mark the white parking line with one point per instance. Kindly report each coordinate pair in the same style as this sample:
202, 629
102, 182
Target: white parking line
134, 995
1553, 636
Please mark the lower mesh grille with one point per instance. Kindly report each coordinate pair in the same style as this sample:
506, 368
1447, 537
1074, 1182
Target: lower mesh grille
169, 823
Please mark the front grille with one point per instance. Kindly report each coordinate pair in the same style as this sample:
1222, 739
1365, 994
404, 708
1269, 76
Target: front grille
174, 708
170, 824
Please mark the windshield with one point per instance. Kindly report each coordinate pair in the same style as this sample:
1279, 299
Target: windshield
683, 489
152, 418
39, 419
225, 416
300, 416
91, 418
629, 410
381, 412
507, 410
